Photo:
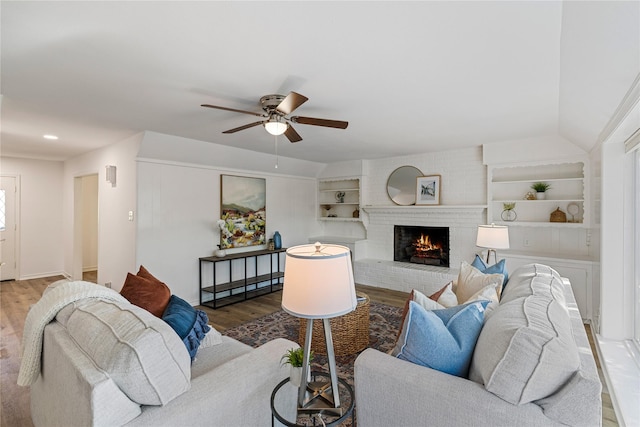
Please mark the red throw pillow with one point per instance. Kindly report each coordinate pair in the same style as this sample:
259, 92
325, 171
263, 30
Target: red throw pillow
146, 292
143, 272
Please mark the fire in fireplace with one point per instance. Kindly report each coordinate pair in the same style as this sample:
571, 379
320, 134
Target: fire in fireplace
421, 245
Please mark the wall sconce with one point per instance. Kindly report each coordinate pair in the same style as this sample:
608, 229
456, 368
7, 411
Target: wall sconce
111, 174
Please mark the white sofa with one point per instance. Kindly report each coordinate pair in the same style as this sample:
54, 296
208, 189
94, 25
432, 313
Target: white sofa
228, 384
532, 366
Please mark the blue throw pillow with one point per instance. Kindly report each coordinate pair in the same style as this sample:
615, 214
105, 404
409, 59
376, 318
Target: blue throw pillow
190, 324
441, 339
499, 268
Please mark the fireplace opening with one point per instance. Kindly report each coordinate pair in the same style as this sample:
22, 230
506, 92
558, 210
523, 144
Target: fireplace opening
421, 245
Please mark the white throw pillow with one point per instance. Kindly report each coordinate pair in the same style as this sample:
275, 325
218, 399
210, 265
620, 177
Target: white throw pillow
448, 298
211, 338
425, 302
488, 293
471, 280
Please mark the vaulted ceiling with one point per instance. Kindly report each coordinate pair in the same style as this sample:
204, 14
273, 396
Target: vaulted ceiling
409, 77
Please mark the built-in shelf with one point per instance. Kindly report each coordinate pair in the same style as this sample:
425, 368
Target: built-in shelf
339, 199
510, 184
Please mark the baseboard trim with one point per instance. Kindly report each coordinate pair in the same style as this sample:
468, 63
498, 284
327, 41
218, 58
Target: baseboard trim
43, 275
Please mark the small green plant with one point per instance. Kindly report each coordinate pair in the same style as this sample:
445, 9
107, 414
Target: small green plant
540, 187
509, 206
295, 357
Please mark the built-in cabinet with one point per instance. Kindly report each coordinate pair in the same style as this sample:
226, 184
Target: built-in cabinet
339, 199
511, 185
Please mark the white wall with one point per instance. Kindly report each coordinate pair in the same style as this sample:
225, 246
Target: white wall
179, 204
463, 176
90, 222
116, 234
175, 149
40, 223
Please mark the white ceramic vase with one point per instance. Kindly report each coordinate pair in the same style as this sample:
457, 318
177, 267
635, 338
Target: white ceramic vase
295, 375
541, 196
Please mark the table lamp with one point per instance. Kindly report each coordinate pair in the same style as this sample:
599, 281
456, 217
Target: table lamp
318, 284
492, 237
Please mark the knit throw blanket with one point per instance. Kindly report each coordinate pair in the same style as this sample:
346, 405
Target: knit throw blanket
53, 300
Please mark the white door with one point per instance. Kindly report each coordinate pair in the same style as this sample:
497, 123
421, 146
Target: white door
8, 191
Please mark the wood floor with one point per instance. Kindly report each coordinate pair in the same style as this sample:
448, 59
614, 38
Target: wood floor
17, 296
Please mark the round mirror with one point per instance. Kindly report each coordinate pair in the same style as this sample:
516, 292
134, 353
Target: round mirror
401, 185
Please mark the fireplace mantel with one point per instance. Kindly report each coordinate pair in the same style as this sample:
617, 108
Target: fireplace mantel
417, 209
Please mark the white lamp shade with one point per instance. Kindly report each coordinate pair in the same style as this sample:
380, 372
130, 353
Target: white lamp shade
275, 127
318, 282
493, 237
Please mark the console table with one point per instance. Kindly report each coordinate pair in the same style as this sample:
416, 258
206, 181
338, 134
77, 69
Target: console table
239, 277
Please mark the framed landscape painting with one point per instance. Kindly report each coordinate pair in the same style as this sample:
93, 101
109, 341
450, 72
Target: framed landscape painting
428, 190
243, 216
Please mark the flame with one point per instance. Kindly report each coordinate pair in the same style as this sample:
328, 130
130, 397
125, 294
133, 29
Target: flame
424, 244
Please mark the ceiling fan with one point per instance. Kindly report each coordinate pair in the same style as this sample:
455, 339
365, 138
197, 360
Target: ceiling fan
276, 109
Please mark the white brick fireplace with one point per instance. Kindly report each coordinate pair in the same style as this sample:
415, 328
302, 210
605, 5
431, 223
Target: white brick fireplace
374, 265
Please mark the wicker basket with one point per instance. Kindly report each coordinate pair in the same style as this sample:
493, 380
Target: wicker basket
558, 216
350, 332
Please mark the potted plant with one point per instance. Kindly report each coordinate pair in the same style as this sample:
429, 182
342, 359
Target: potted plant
295, 358
508, 214
540, 188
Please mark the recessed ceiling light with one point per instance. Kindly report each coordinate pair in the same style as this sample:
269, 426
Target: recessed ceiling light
49, 137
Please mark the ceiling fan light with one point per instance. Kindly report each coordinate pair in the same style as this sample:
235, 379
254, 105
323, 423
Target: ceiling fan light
275, 127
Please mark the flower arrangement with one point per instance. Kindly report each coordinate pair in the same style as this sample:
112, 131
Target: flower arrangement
509, 206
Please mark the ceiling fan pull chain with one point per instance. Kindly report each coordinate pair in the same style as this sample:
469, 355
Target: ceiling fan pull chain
276, 144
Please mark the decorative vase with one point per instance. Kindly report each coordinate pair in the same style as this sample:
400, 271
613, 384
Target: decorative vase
541, 196
509, 215
277, 240
295, 375
220, 253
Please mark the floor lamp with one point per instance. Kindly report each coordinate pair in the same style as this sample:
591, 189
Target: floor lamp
318, 284
492, 237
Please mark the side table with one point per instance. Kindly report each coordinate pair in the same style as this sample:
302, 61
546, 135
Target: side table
308, 416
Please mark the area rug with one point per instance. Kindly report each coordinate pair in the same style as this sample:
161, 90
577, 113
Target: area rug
384, 321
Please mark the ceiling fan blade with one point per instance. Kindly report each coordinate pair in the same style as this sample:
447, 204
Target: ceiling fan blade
320, 122
250, 125
292, 135
233, 109
291, 102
